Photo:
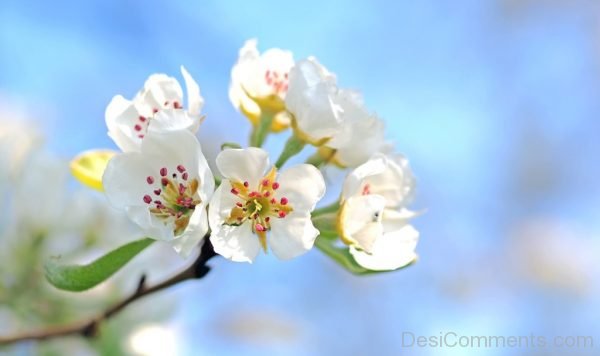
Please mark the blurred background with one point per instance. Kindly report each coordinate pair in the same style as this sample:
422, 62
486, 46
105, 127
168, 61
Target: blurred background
495, 103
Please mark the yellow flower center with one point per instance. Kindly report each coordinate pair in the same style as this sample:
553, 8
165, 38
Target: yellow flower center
176, 197
258, 206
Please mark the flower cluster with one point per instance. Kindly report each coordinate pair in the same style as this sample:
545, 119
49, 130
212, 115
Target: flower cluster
163, 180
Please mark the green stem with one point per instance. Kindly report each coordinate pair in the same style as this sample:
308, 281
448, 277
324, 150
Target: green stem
293, 146
260, 131
332, 208
227, 145
327, 225
316, 160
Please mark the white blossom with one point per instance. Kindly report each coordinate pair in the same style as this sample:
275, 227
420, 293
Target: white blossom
260, 81
164, 188
373, 218
129, 121
254, 200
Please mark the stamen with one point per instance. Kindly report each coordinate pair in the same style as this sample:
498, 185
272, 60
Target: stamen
142, 118
366, 190
157, 191
185, 176
163, 171
258, 207
181, 168
150, 180
147, 199
137, 127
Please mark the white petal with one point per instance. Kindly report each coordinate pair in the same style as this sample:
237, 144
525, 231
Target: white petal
150, 224
195, 99
249, 52
237, 243
312, 99
124, 180
292, 235
396, 219
353, 184
393, 250
360, 220
121, 116
248, 164
303, 185
159, 89
171, 148
370, 134
241, 100
358, 126
173, 120
388, 176
220, 205
395, 183
273, 60
194, 234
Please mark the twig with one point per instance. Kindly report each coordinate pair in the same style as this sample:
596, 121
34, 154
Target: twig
89, 327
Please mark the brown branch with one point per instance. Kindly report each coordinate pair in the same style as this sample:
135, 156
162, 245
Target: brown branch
89, 327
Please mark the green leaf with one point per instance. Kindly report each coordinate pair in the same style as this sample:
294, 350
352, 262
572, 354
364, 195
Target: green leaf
77, 278
343, 257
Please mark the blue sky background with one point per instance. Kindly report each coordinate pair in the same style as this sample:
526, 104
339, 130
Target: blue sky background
494, 102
